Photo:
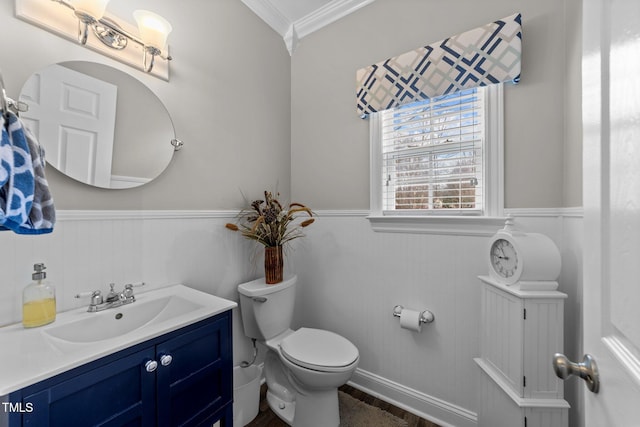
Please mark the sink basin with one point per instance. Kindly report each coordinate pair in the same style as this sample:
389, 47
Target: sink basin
119, 321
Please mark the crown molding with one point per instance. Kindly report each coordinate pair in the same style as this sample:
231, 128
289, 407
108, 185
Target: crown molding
327, 14
269, 14
291, 39
292, 32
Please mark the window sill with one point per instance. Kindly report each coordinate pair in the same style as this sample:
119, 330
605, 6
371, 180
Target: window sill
450, 225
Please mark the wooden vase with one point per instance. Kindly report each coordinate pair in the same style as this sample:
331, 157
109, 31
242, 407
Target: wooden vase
273, 264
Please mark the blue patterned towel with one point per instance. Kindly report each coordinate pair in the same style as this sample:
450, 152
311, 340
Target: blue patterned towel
18, 190
42, 216
6, 161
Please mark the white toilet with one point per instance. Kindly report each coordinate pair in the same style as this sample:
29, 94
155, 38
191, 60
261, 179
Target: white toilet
303, 368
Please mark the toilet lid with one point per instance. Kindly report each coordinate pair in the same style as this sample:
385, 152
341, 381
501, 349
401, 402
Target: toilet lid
318, 349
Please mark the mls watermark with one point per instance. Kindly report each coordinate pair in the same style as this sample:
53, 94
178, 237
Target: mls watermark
17, 407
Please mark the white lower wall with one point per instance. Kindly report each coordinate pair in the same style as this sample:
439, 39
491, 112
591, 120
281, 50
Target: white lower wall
90, 249
350, 278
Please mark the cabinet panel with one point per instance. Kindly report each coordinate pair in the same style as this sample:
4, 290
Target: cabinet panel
196, 382
118, 393
502, 340
545, 417
497, 409
543, 334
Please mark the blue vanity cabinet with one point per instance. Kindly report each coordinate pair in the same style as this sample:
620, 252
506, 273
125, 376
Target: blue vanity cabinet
120, 391
197, 383
191, 384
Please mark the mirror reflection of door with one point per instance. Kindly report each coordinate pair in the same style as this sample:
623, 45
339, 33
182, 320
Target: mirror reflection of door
141, 145
73, 116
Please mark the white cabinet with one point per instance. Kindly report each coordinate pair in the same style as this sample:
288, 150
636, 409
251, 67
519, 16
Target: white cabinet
520, 332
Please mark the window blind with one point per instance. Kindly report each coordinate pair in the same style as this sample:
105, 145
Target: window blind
432, 155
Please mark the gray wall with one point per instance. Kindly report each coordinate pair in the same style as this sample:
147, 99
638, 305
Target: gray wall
329, 148
228, 95
252, 117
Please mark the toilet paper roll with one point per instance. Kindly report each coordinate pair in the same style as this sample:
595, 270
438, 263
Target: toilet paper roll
410, 319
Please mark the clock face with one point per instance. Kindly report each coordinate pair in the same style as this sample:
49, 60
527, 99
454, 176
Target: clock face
504, 258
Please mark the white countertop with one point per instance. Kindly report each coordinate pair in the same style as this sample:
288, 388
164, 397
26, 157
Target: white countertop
28, 356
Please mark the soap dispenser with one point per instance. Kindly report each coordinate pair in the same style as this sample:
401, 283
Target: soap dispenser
38, 300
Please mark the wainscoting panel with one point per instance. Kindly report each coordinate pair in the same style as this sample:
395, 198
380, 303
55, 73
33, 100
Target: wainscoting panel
350, 278
89, 250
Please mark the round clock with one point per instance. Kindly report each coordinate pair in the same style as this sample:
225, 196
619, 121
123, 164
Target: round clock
530, 260
504, 260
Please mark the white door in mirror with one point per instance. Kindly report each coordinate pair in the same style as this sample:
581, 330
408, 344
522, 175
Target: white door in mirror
73, 116
137, 150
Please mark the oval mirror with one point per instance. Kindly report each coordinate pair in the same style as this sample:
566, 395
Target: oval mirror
98, 125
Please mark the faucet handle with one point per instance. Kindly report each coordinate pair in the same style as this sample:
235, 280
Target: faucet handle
96, 296
128, 288
134, 285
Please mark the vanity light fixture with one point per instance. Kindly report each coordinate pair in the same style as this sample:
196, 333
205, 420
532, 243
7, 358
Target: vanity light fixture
88, 12
153, 28
154, 31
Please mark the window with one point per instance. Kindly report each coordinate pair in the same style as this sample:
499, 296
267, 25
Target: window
440, 156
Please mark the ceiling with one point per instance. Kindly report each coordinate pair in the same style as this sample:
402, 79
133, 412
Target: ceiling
295, 19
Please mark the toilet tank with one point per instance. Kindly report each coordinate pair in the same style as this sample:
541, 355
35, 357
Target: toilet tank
267, 310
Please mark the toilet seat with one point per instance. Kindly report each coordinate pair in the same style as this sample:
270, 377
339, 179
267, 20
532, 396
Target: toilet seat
319, 350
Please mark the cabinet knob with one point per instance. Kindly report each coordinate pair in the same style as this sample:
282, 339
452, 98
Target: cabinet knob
151, 365
166, 359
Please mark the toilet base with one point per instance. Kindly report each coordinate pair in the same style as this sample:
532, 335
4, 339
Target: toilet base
283, 409
318, 409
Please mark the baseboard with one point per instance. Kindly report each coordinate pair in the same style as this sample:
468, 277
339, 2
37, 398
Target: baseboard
421, 404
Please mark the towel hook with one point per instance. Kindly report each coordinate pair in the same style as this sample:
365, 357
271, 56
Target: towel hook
16, 106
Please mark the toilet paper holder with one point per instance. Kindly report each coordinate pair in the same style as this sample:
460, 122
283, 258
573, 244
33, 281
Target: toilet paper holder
425, 316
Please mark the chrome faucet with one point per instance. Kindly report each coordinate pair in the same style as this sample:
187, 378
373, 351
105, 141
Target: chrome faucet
113, 298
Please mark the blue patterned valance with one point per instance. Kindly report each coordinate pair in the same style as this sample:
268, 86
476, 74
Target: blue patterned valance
486, 55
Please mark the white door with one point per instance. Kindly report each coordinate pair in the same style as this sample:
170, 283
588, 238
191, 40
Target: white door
73, 116
611, 167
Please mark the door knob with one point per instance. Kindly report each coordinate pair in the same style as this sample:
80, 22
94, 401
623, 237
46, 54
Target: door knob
587, 370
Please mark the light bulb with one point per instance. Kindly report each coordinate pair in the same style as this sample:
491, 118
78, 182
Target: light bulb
93, 8
154, 29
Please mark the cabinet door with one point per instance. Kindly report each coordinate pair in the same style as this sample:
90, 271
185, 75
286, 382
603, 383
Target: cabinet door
543, 336
502, 342
198, 380
120, 393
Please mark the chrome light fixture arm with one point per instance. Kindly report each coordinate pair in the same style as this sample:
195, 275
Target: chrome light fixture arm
84, 21
112, 35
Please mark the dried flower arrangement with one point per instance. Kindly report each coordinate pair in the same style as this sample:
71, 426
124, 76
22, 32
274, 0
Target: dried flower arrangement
270, 224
